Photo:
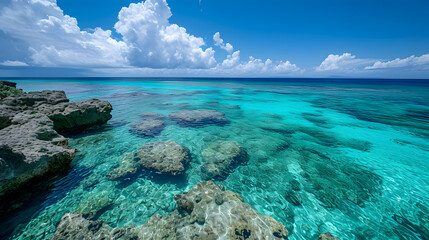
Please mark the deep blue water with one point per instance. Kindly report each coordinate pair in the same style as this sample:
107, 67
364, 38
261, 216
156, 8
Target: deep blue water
358, 147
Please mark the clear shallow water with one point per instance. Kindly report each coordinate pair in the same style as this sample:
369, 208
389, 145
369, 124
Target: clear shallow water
359, 150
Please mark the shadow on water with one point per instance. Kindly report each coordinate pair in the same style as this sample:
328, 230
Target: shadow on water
93, 131
19, 208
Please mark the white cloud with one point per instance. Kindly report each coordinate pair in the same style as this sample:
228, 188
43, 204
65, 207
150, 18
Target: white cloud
219, 42
9, 63
343, 63
149, 40
55, 39
258, 66
156, 43
231, 60
411, 61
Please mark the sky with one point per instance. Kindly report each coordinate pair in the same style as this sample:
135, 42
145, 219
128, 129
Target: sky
208, 38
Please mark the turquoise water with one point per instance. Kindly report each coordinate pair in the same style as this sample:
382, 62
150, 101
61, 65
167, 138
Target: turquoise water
359, 150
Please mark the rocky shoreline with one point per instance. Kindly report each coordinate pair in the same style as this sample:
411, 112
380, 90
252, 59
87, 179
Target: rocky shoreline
32, 145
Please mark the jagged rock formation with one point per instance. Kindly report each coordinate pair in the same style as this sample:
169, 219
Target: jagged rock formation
221, 157
199, 118
207, 211
30, 144
8, 88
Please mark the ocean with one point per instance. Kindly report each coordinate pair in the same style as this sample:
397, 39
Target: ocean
356, 150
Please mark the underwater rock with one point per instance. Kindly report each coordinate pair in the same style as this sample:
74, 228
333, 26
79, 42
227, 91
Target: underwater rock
80, 226
222, 156
95, 203
149, 127
198, 118
152, 115
327, 236
127, 167
30, 144
198, 217
164, 157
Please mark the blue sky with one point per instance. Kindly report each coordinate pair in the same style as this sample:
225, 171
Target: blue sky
177, 38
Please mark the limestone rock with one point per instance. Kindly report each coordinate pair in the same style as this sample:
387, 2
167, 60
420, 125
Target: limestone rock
198, 217
164, 157
221, 157
28, 150
36, 99
68, 117
30, 144
8, 88
198, 118
76, 117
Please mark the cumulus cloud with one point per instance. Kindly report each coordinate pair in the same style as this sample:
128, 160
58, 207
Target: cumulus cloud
10, 63
412, 61
231, 60
149, 40
54, 39
267, 66
343, 63
233, 65
219, 42
156, 43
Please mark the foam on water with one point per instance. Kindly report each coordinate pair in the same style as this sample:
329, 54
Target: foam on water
356, 155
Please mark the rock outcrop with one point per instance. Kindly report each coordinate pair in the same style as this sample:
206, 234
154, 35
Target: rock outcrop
30, 126
199, 118
221, 157
8, 88
163, 157
68, 117
207, 211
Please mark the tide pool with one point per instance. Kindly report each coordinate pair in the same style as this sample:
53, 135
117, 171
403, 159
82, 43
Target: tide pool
348, 157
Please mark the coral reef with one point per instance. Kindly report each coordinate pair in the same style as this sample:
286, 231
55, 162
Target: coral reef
221, 157
163, 157
207, 211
